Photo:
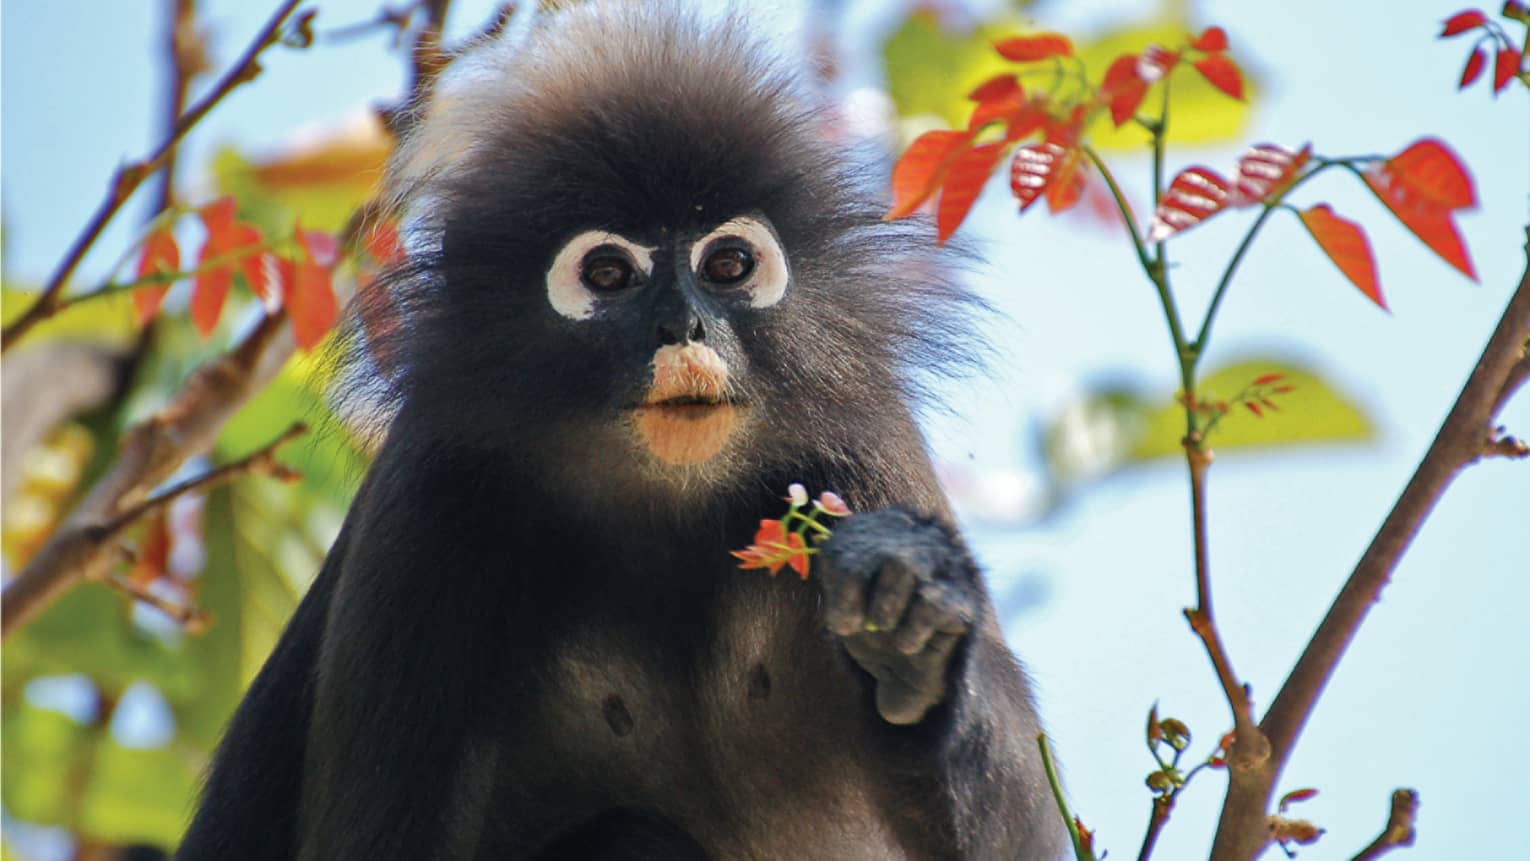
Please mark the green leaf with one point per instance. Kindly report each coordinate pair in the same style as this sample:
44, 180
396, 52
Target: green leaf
1118, 425
1314, 412
931, 69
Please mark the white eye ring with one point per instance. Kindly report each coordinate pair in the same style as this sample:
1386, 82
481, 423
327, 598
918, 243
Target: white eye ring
766, 284
566, 290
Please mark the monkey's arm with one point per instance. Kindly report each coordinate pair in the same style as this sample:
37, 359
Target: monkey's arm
908, 601
399, 760
248, 808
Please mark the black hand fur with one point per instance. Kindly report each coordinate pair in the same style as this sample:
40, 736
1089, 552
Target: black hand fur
904, 594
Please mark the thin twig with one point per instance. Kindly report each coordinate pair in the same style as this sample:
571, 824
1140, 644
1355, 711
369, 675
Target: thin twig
262, 461
189, 616
1399, 829
1240, 832
131, 175
187, 58
1080, 851
1163, 805
151, 452
1201, 618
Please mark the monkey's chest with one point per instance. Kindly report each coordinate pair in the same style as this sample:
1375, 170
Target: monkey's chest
748, 734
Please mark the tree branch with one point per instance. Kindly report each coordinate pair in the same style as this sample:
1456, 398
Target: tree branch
1460, 441
151, 452
1399, 829
131, 175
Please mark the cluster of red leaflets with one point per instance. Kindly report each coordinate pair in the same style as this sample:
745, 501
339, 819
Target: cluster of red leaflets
1424, 185
956, 164
301, 282
1508, 59
773, 548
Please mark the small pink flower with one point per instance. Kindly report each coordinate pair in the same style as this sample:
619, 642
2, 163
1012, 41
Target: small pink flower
797, 495
830, 503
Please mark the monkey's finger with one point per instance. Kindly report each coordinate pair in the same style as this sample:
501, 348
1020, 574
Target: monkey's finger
845, 603
918, 625
954, 610
894, 587
941, 646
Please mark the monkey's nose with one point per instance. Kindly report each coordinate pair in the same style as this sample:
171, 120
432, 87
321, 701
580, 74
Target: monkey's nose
681, 330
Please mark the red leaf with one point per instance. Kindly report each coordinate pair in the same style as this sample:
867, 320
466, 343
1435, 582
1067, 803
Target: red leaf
1195, 195
770, 532
160, 254
384, 245
1473, 69
323, 248
1026, 49
920, 169
1123, 88
218, 217
1296, 795
208, 294
995, 89
153, 558
1211, 39
1265, 170
311, 304
1266, 379
1345, 244
225, 236
1422, 185
1222, 73
1156, 62
968, 173
1066, 184
1427, 171
1254, 408
1021, 116
252, 266
798, 560
1505, 67
1030, 170
1461, 22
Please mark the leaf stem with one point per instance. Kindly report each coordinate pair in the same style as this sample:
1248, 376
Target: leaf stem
1079, 851
1201, 337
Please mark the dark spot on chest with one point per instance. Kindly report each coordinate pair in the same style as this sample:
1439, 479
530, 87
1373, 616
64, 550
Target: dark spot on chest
759, 683
617, 716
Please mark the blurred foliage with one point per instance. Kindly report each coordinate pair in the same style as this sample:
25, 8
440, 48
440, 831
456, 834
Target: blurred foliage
1114, 427
931, 67
260, 542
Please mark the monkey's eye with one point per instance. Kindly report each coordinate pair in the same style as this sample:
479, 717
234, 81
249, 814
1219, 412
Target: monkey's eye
606, 272
727, 266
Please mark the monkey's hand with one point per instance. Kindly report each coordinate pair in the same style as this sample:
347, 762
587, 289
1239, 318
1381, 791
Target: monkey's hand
902, 594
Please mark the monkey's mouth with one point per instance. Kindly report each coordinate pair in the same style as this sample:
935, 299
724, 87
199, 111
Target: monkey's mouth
688, 406
687, 416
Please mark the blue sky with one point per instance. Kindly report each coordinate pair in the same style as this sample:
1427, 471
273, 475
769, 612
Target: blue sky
1434, 692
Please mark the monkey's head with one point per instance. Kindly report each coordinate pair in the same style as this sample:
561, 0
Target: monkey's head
638, 260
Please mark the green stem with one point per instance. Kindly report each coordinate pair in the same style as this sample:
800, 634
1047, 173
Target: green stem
1199, 344
228, 259
1079, 851
818, 527
1124, 207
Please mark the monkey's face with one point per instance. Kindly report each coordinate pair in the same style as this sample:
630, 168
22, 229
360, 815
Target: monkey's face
663, 309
